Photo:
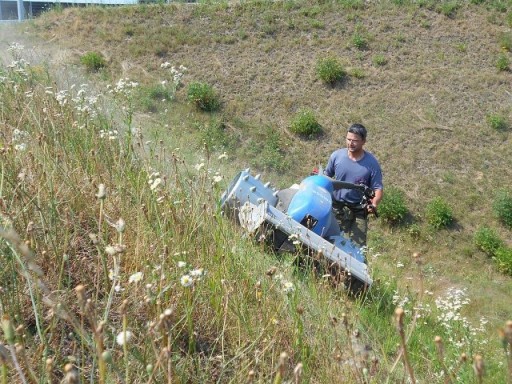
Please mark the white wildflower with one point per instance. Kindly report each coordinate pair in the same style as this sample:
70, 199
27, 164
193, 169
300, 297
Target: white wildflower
135, 278
288, 287
186, 280
155, 183
124, 337
182, 264
197, 273
198, 167
223, 156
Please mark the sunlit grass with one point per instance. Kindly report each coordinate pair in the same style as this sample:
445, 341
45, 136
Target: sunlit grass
118, 266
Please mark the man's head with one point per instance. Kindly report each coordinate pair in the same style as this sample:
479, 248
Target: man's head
356, 138
358, 129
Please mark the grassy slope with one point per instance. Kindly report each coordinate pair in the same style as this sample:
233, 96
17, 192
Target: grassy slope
425, 108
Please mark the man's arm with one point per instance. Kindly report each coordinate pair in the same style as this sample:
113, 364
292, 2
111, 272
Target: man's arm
379, 193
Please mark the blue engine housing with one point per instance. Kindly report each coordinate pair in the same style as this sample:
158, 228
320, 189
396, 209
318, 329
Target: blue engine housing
311, 205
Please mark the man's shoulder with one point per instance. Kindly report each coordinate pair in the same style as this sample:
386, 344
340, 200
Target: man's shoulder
339, 153
370, 157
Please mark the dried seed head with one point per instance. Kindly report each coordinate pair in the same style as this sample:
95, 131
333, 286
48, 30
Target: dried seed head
251, 375
120, 225
508, 331
122, 309
8, 329
399, 317
297, 372
478, 366
102, 192
271, 271
71, 376
80, 293
463, 357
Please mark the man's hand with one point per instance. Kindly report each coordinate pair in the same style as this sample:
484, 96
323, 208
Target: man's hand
372, 209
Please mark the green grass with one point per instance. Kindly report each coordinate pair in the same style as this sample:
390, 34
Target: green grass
237, 319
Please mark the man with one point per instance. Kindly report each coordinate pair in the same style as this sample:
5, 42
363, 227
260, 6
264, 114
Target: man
355, 165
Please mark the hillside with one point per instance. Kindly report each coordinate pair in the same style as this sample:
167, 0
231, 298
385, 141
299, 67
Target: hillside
426, 107
422, 77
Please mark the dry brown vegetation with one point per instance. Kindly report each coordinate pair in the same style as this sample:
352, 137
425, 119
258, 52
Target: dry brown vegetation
426, 110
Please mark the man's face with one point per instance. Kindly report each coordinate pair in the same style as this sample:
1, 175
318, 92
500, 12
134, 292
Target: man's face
354, 142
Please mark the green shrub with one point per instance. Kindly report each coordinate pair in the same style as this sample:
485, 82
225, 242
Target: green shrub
414, 231
497, 122
506, 41
487, 240
438, 213
503, 259
203, 96
305, 123
503, 62
330, 70
393, 209
448, 8
502, 207
358, 73
509, 19
93, 61
360, 41
379, 60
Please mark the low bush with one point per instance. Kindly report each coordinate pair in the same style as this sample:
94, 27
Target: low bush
503, 259
487, 240
379, 60
393, 208
497, 122
360, 41
438, 213
330, 70
305, 123
506, 41
503, 63
502, 207
203, 96
93, 61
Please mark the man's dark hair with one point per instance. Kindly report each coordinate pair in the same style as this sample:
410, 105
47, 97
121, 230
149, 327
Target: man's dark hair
358, 129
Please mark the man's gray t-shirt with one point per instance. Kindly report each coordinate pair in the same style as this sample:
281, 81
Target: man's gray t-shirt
366, 171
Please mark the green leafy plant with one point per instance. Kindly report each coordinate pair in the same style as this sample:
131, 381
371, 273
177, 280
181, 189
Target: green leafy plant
414, 231
330, 70
393, 208
358, 73
203, 96
506, 41
497, 122
502, 207
503, 259
360, 41
503, 62
379, 60
93, 61
448, 8
487, 240
305, 123
151, 97
438, 213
